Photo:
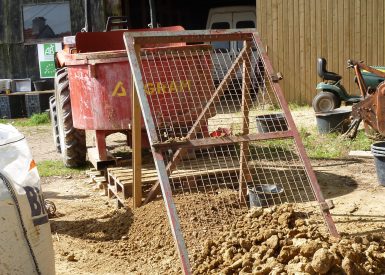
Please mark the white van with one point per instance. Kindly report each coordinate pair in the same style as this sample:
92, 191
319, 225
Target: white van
232, 17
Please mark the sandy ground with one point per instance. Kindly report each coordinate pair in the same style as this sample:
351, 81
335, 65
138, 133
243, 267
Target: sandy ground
92, 237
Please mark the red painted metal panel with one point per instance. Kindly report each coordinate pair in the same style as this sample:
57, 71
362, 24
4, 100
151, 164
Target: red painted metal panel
111, 41
100, 95
100, 90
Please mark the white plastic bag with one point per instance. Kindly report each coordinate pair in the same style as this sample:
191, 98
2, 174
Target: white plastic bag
25, 236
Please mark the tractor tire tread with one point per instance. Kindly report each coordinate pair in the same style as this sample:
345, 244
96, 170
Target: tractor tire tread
74, 140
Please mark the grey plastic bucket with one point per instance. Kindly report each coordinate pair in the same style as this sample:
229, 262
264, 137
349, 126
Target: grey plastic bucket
378, 151
263, 195
271, 123
333, 121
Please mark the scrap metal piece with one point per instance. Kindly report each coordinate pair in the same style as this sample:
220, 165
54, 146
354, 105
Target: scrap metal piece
371, 109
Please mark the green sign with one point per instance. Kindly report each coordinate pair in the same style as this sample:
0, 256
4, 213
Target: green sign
47, 69
49, 49
46, 53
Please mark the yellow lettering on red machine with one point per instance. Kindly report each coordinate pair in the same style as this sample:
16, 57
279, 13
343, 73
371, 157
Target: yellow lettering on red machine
167, 87
119, 90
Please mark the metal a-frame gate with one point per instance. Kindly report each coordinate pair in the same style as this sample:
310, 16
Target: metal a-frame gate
221, 133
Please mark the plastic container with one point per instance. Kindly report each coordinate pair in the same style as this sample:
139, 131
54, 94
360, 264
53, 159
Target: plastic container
333, 121
271, 123
21, 85
263, 195
40, 85
378, 151
25, 235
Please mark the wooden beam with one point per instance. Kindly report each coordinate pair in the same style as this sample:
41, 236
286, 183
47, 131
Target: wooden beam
136, 148
244, 171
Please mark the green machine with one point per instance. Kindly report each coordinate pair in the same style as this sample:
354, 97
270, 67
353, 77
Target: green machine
331, 92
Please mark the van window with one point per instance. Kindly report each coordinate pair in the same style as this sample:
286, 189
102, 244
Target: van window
221, 46
243, 25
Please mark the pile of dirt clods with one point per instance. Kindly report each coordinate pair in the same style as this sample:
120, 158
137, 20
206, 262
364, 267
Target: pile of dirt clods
280, 240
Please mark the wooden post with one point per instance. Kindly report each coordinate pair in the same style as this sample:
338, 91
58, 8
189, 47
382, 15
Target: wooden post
136, 148
244, 172
100, 139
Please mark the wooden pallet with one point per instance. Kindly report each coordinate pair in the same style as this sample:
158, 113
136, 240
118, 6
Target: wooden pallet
98, 177
120, 179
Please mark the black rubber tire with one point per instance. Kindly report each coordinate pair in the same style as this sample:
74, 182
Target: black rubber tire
54, 123
72, 140
325, 102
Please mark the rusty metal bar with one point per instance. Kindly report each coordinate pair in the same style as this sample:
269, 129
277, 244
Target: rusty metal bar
156, 37
132, 51
313, 179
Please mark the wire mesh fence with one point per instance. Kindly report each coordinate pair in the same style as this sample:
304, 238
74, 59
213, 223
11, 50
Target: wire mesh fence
221, 132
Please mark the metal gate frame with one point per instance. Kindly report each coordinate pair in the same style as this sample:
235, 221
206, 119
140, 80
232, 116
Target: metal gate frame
134, 42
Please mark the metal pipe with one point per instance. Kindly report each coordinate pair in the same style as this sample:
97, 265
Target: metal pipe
87, 15
153, 23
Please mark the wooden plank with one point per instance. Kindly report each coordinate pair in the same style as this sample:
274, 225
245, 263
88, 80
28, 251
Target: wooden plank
306, 52
100, 179
370, 33
261, 26
312, 44
280, 62
374, 32
361, 154
32, 93
327, 35
341, 36
274, 36
333, 43
291, 73
357, 30
301, 53
345, 43
186, 175
136, 146
244, 175
351, 30
285, 56
297, 49
381, 34
200, 164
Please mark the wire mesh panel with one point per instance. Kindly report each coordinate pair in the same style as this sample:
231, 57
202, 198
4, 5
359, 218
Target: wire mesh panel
222, 136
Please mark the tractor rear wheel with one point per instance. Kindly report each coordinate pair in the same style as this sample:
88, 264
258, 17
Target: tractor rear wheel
54, 123
325, 102
72, 140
